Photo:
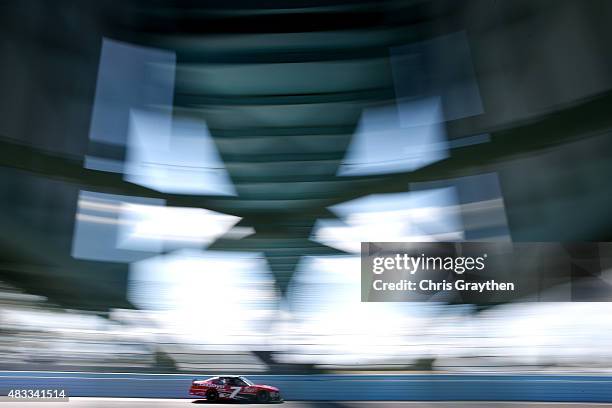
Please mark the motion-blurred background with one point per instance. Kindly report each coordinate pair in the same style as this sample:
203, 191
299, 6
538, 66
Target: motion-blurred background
185, 184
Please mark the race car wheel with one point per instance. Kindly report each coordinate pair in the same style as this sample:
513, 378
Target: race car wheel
263, 397
212, 395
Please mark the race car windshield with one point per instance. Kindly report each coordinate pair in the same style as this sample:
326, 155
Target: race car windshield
246, 380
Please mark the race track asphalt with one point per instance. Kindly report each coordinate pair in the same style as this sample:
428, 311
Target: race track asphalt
80, 402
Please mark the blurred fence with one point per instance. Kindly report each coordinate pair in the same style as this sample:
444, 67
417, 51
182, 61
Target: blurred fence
418, 387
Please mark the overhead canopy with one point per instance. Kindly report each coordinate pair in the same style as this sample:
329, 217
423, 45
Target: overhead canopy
282, 92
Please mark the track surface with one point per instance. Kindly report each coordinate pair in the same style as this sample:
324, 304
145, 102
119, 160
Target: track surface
186, 403
333, 387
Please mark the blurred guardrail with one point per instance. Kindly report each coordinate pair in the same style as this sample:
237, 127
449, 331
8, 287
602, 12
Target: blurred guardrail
418, 387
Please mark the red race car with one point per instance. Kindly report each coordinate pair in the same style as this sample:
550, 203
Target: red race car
236, 388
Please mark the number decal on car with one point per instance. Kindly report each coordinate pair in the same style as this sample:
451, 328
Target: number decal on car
236, 391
